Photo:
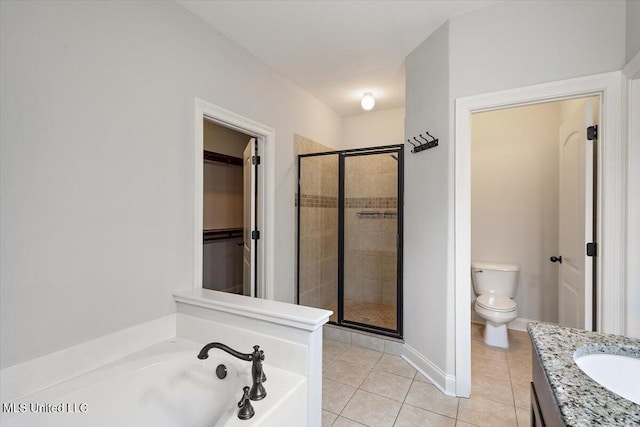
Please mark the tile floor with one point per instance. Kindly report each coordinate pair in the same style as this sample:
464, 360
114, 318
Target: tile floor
363, 387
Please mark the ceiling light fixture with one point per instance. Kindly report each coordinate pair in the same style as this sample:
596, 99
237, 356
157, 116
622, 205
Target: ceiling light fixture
367, 101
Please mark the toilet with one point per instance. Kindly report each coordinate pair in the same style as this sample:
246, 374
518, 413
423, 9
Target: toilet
495, 284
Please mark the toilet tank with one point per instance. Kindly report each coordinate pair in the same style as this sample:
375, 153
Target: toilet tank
495, 278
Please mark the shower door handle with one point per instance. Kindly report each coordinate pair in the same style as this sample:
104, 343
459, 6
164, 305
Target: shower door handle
556, 259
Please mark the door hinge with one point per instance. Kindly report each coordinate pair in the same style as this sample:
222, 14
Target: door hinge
592, 249
255, 234
255, 160
592, 132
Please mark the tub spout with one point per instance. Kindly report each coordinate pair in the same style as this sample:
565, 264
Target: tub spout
204, 353
257, 389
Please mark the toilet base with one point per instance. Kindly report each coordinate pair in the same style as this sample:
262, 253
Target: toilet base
496, 335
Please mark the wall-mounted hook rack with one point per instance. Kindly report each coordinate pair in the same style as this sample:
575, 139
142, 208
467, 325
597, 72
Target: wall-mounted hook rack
428, 143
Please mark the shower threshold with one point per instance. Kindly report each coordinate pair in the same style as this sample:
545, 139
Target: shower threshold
368, 316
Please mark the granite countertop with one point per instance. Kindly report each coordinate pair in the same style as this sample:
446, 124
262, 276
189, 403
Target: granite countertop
582, 401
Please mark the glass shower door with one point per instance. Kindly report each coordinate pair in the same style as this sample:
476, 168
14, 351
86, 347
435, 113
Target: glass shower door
371, 239
350, 236
318, 232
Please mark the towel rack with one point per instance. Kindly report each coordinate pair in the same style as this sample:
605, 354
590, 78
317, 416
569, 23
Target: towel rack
424, 144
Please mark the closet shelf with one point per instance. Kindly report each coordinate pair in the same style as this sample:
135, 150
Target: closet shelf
212, 157
221, 234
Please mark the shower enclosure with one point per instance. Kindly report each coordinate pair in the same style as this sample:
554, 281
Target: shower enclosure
350, 236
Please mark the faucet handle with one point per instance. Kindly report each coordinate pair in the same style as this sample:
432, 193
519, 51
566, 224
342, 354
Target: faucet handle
257, 353
246, 408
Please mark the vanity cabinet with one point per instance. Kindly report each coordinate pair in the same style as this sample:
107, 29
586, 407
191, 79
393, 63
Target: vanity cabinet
544, 410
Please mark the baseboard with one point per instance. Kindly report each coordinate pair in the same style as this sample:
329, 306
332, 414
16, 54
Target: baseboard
445, 383
34, 375
520, 324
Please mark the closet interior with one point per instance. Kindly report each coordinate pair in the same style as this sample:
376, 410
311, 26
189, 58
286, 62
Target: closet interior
223, 205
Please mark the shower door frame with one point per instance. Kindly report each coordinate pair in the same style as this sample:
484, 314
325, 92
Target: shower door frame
342, 155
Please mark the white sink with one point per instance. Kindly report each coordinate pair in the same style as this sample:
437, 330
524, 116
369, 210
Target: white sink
618, 374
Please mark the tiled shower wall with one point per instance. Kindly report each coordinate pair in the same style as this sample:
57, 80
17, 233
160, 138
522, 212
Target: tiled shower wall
370, 240
318, 266
371, 201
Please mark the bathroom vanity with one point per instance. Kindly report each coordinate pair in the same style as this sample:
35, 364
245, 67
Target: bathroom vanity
562, 394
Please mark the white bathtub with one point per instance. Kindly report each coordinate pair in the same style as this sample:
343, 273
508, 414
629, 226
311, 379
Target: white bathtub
163, 385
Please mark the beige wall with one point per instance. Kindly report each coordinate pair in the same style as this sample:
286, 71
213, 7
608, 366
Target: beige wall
223, 208
223, 189
222, 196
220, 139
514, 200
373, 128
515, 197
222, 266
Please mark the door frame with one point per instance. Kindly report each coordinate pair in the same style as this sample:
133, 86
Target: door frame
265, 137
342, 156
611, 203
632, 80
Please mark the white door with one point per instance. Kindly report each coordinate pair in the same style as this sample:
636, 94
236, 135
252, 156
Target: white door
249, 223
576, 218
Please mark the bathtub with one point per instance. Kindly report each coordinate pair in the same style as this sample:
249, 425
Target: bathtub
163, 385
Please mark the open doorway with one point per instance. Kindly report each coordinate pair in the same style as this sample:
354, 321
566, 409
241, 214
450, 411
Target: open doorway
532, 205
609, 208
229, 205
258, 175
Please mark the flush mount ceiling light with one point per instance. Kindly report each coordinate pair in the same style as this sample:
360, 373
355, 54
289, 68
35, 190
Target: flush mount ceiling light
367, 101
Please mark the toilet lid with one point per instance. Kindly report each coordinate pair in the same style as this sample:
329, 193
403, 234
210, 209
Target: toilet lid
496, 303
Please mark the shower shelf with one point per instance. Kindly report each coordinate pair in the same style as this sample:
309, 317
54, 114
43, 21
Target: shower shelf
377, 215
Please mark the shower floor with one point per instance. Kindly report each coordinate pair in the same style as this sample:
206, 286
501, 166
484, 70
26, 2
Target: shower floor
366, 312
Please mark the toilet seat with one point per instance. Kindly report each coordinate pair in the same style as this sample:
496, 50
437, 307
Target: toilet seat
496, 303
